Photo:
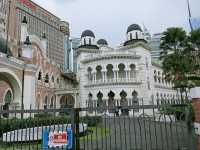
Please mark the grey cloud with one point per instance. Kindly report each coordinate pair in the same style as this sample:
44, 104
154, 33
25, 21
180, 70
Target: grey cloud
110, 18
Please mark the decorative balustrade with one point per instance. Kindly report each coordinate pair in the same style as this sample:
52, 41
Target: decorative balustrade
115, 80
10, 60
163, 85
115, 102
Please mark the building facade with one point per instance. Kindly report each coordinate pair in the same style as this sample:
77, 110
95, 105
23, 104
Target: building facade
30, 77
119, 76
40, 21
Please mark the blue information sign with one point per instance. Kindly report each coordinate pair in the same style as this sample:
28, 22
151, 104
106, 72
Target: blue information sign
57, 139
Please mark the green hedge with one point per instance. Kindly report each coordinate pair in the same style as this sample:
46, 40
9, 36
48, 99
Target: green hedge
43, 119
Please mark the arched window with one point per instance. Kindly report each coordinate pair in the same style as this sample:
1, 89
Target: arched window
58, 81
45, 102
40, 75
52, 79
133, 71
135, 97
99, 73
84, 41
123, 96
90, 42
7, 101
46, 78
90, 102
135, 100
100, 101
131, 36
52, 102
8, 97
122, 72
110, 72
136, 34
111, 100
89, 74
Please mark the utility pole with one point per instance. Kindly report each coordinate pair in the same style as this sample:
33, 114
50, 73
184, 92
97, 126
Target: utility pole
8, 26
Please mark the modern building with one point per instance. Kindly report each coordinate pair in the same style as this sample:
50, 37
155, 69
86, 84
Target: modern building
147, 34
40, 22
195, 23
119, 76
154, 43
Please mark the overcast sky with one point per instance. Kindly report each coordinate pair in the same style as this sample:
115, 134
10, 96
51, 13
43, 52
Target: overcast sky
109, 19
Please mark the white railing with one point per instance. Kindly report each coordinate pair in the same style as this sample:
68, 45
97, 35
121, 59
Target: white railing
115, 80
163, 85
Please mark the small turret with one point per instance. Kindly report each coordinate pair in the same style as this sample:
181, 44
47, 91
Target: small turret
134, 34
88, 40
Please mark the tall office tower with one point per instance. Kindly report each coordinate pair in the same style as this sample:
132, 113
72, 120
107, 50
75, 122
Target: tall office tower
155, 46
39, 21
147, 34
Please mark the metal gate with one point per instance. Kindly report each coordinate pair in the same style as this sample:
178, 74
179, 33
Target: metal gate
136, 127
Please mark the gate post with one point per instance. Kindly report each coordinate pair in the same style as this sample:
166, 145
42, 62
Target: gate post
195, 95
76, 121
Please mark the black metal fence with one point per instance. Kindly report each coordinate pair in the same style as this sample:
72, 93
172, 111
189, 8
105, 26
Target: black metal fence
135, 127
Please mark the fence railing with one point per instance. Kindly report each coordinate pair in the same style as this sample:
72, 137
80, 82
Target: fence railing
132, 127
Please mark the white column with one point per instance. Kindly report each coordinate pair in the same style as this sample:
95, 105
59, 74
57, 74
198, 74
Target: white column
129, 74
105, 75
126, 75
72, 57
95, 77
117, 74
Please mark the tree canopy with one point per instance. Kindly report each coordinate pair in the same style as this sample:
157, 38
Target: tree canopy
180, 56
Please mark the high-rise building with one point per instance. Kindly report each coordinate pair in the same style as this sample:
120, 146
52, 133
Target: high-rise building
155, 46
147, 34
195, 23
39, 21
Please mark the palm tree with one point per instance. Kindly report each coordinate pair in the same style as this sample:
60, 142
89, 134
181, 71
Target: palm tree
175, 57
173, 40
195, 38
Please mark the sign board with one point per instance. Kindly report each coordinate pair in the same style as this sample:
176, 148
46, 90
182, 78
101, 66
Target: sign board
28, 4
57, 139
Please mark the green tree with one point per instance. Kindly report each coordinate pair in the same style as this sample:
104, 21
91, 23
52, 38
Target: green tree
176, 58
195, 38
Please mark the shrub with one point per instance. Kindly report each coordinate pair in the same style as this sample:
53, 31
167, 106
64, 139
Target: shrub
43, 119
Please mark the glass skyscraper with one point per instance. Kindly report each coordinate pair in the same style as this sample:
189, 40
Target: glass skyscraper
195, 22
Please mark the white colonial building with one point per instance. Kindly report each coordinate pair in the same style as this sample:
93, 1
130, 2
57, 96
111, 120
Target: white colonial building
119, 76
